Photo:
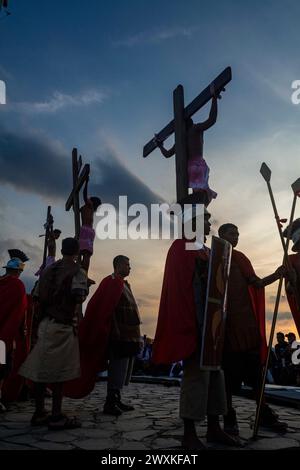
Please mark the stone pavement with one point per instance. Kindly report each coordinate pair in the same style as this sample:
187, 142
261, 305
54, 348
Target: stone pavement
153, 425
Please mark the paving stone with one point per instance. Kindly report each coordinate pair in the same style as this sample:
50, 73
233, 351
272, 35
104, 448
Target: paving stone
172, 433
138, 435
96, 444
11, 446
133, 446
134, 425
18, 417
4, 433
59, 436
264, 433
93, 433
48, 445
273, 444
26, 440
165, 444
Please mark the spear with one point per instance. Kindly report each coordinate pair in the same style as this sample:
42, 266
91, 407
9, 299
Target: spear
266, 174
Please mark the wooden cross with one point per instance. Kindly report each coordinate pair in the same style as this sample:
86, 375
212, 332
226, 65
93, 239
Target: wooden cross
48, 226
79, 179
178, 126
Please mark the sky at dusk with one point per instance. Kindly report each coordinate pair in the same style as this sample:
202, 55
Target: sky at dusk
99, 76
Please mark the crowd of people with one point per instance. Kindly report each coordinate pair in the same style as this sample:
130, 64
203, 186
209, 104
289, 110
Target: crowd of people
283, 370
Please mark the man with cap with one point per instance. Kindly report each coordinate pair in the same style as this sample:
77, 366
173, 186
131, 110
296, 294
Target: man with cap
245, 346
13, 304
178, 336
55, 357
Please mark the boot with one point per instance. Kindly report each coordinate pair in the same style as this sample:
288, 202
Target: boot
111, 404
269, 419
230, 423
121, 405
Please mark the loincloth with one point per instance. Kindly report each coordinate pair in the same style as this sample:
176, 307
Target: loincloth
198, 176
86, 239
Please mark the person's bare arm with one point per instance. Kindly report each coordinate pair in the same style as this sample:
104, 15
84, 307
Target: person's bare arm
85, 192
212, 118
166, 153
258, 282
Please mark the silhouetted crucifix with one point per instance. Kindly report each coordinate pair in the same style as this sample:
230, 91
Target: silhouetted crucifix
79, 179
183, 136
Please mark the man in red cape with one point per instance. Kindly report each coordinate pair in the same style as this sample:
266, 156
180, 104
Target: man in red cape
13, 304
178, 337
14, 386
109, 337
293, 295
245, 347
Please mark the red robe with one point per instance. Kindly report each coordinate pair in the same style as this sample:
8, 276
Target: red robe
94, 332
291, 298
257, 296
14, 382
176, 334
13, 304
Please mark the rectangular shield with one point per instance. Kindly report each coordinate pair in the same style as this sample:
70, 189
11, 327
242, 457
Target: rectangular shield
215, 305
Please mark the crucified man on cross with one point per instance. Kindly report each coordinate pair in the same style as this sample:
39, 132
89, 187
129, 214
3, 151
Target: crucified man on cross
197, 168
87, 232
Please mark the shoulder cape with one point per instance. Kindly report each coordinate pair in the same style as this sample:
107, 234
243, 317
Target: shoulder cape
257, 296
176, 333
13, 304
93, 333
291, 298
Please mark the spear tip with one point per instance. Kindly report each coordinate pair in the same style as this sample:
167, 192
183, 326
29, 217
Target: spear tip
296, 187
265, 172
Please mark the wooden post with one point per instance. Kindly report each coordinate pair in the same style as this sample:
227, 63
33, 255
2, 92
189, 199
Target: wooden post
181, 155
76, 194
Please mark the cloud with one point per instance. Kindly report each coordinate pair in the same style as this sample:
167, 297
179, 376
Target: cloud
155, 37
147, 300
36, 164
60, 101
282, 316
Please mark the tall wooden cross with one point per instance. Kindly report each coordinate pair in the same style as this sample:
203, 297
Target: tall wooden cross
79, 179
178, 126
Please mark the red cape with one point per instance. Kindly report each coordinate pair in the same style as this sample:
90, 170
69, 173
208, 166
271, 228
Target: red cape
257, 296
14, 383
13, 304
94, 332
291, 298
176, 332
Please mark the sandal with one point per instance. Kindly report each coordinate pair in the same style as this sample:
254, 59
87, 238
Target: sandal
40, 419
62, 422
